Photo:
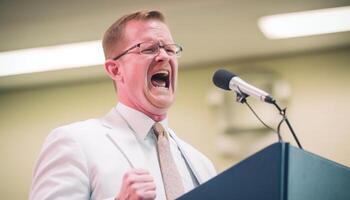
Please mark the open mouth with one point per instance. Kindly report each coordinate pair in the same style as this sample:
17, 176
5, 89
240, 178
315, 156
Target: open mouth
161, 79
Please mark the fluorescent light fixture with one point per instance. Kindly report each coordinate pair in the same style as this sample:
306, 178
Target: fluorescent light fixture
50, 58
298, 24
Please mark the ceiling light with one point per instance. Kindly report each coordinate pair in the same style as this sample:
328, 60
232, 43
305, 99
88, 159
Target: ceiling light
50, 58
298, 24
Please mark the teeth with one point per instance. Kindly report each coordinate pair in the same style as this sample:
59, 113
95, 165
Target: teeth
162, 72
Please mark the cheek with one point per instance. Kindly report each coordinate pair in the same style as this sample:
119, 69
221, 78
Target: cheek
174, 64
136, 81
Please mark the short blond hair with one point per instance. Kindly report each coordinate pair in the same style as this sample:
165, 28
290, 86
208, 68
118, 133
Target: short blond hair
115, 33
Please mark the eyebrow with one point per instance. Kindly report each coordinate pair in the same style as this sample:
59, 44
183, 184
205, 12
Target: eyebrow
149, 39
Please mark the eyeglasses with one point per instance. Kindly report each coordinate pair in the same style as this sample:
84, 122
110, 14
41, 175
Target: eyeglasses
153, 48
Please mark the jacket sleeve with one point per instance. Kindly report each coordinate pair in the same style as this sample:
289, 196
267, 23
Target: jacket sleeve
61, 171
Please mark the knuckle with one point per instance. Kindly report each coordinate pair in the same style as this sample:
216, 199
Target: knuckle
138, 194
132, 179
128, 181
126, 175
133, 187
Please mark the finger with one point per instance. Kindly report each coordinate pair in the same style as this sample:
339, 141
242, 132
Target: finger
149, 195
144, 178
144, 186
150, 186
140, 171
137, 179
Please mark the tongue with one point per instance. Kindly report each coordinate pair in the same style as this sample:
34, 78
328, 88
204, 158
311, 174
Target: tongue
158, 83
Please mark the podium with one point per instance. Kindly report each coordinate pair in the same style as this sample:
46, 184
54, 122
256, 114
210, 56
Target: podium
278, 172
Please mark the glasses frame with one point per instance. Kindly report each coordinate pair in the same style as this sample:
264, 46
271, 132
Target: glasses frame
138, 46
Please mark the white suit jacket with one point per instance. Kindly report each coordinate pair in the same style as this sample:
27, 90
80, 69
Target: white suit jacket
87, 160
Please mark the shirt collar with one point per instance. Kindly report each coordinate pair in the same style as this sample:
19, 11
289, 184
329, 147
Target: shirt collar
140, 123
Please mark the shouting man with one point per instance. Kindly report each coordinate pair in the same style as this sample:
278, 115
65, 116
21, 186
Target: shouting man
130, 153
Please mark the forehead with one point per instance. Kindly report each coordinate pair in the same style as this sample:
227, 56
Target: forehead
140, 31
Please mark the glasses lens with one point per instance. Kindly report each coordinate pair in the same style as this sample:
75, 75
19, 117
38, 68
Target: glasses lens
153, 48
170, 49
149, 48
173, 49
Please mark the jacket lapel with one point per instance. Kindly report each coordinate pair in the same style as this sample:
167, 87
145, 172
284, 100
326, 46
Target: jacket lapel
186, 156
123, 138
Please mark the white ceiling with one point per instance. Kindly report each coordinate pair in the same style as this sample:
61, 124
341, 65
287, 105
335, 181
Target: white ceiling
210, 31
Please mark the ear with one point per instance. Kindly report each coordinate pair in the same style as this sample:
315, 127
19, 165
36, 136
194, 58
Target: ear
113, 69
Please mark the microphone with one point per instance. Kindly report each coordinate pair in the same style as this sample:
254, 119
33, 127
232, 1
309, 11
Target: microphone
229, 81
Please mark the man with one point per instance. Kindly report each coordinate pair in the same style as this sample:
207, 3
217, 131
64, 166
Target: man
130, 153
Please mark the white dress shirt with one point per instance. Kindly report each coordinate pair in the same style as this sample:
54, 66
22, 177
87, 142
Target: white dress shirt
141, 125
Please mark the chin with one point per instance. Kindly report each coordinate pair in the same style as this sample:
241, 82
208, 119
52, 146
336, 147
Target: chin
159, 102
162, 103
160, 108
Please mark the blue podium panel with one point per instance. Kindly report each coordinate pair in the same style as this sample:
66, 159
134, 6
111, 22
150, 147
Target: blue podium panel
313, 177
278, 172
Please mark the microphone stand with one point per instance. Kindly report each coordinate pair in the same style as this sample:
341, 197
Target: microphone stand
283, 114
242, 98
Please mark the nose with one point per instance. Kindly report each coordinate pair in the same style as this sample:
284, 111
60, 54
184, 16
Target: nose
162, 55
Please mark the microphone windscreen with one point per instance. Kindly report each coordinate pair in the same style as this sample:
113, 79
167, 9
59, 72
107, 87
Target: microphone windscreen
222, 79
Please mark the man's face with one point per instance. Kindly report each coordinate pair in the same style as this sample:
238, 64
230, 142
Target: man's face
147, 82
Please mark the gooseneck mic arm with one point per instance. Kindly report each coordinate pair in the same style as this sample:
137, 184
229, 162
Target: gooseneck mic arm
284, 115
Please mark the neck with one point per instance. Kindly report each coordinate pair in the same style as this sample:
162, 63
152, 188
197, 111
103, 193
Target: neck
155, 117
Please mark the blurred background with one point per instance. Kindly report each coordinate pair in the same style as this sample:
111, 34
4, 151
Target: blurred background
309, 75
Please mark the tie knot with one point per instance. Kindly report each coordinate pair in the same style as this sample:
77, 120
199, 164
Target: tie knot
158, 129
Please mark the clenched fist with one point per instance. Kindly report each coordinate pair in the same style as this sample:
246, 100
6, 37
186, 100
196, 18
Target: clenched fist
138, 184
